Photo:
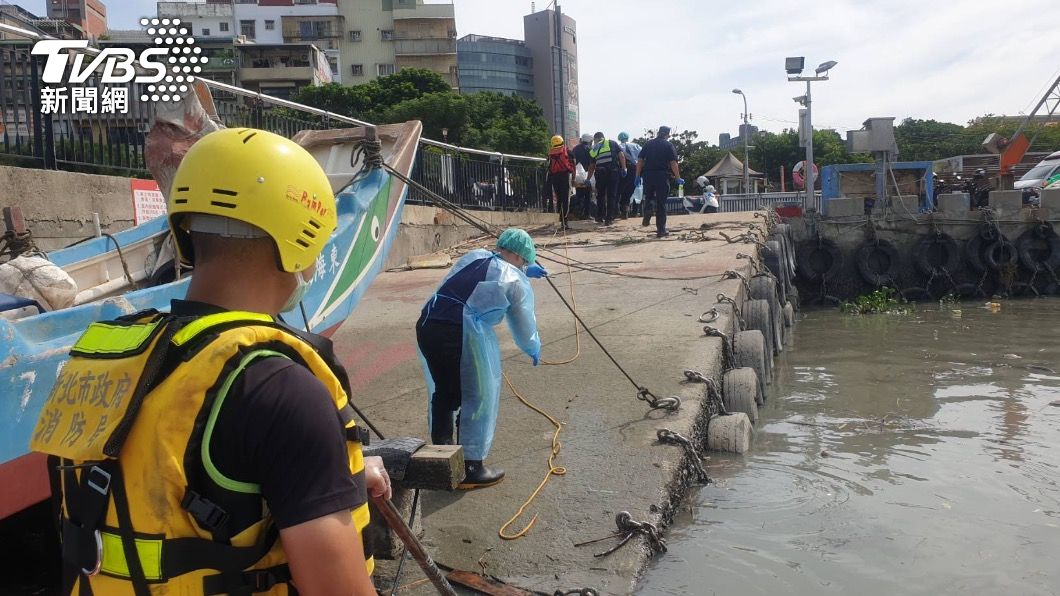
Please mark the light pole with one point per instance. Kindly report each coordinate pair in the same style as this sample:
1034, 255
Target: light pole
746, 132
794, 66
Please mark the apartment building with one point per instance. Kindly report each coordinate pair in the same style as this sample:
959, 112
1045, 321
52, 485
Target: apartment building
384, 36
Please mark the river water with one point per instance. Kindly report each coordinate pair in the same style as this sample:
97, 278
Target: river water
897, 454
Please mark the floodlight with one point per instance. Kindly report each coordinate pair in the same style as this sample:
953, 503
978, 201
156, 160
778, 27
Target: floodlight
794, 65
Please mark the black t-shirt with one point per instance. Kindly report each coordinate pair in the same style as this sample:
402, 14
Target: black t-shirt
581, 155
657, 155
278, 428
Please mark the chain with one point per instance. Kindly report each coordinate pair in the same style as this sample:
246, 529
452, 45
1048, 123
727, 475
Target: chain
953, 284
666, 435
717, 405
730, 358
672, 403
722, 298
733, 274
982, 280
755, 265
628, 528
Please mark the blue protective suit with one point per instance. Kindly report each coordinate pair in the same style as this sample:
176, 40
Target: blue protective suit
481, 290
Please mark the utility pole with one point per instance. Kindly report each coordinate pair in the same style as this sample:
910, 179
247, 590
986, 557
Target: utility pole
794, 66
745, 133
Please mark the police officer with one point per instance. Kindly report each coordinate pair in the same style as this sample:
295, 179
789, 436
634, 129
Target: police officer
235, 465
609, 166
658, 160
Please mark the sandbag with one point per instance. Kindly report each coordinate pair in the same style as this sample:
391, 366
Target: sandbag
39, 279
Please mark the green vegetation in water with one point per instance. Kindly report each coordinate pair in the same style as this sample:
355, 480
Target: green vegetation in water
949, 300
882, 301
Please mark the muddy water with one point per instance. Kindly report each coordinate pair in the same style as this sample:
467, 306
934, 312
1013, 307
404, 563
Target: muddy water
910, 454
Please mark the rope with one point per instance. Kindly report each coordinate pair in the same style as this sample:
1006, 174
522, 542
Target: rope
553, 469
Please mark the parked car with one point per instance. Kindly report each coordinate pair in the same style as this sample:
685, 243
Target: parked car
1038, 176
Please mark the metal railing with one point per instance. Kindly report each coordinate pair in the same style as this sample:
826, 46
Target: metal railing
116, 143
753, 202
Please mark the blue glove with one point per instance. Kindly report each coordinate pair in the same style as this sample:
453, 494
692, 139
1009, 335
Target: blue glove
624, 172
536, 271
639, 181
680, 181
536, 357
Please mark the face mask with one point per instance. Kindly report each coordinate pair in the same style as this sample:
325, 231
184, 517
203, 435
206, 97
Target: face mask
300, 288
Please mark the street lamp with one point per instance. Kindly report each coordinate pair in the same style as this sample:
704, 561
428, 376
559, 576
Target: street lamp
445, 135
746, 132
794, 67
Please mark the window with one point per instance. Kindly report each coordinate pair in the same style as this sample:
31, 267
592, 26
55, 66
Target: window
313, 29
247, 28
386, 34
205, 32
384, 69
270, 25
334, 64
355, 36
357, 70
223, 26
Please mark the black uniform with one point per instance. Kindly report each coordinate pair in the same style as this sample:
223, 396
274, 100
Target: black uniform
657, 155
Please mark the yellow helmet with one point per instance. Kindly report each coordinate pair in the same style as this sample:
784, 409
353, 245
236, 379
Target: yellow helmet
259, 178
557, 140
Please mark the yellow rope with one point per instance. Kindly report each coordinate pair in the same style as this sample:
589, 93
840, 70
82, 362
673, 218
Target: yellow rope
553, 469
574, 302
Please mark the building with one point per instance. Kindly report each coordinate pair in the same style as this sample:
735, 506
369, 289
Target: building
281, 69
495, 64
213, 27
384, 36
552, 39
726, 141
89, 15
316, 22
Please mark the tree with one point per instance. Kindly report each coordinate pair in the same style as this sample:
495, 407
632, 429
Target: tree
488, 121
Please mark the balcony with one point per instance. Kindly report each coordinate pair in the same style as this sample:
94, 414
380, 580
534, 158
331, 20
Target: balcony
194, 10
425, 11
303, 28
276, 63
424, 47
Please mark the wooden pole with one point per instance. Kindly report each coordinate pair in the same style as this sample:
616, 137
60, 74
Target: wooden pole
398, 525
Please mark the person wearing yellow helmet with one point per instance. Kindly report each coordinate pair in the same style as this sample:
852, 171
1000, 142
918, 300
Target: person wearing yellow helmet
560, 170
240, 468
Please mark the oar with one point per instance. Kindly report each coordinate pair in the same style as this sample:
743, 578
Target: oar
398, 525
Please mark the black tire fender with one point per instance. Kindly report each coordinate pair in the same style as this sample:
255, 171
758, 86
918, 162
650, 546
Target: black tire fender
1039, 250
1000, 253
756, 314
916, 294
819, 260
877, 263
973, 252
934, 253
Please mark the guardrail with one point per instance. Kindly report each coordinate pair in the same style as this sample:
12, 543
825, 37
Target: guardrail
753, 202
114, 143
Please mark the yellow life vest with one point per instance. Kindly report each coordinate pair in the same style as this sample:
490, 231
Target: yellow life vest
602, 154
130, 418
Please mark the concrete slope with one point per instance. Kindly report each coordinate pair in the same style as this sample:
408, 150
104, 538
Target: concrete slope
609, 447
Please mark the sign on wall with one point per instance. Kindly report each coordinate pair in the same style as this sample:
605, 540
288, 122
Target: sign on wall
148, 202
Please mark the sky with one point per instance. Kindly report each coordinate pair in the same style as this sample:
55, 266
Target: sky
643, 63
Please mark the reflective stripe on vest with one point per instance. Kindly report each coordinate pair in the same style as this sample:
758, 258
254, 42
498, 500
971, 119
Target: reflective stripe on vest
155, 443
603, 154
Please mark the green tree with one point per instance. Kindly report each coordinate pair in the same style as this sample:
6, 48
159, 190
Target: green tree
488, 121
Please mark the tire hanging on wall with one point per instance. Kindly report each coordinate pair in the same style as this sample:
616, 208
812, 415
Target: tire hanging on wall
973, 253
820, 259
1039, 249
1000, 254
740, 392
877, 263
749, 351
934, 254
757, 315
763, 287
916, 294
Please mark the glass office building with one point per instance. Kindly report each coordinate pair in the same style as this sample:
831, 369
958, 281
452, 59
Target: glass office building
495, 64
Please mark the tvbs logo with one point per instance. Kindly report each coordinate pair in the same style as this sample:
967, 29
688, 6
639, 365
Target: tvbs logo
114, 65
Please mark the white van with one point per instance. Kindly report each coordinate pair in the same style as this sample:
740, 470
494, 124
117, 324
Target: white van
1037, 176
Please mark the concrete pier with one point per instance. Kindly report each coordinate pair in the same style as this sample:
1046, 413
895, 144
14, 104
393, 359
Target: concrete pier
612, 457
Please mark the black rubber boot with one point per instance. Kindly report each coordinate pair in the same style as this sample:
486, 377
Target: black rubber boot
478, 475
